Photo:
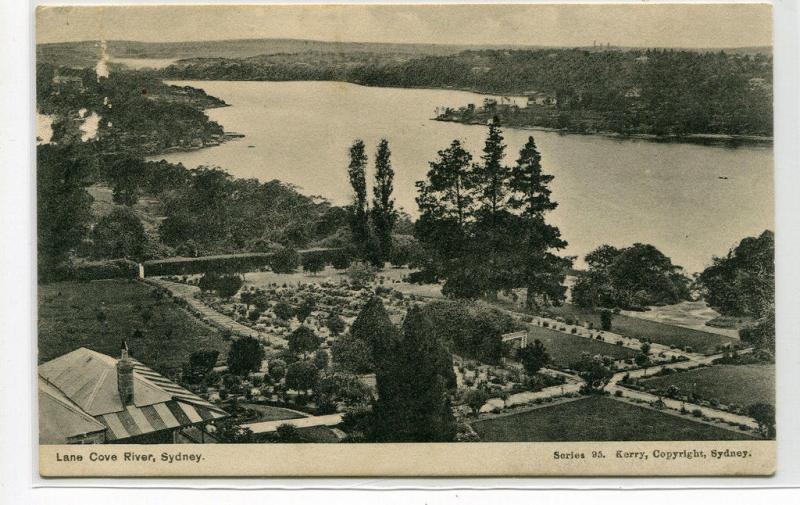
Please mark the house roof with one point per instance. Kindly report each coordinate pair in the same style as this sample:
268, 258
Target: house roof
60, 419
87, 380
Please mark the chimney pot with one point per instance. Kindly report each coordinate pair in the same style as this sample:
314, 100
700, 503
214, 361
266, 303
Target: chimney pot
125, 376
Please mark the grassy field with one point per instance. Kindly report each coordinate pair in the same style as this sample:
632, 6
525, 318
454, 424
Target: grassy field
597, 419
99, 314
687, 314
699, 341
269, 413
741, 385
565, 349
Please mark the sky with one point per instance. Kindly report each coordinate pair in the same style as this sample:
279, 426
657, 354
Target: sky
652, 25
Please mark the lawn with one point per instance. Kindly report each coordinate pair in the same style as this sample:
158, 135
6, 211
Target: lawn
741, 385
100, 314
269, 413
660, 333
597, 419
565, 349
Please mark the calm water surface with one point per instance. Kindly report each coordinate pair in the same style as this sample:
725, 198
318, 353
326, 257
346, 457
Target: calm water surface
609, 190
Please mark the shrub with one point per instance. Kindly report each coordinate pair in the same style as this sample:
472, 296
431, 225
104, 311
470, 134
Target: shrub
245, 356
340, 260
618, 393
360, 274
303, 340
285, 261
305, 309
89, 271
475, 399
697, 413
335, 324
424, 276
605, 320
313, 263
227, 264
301, 376
283, 311
254, 315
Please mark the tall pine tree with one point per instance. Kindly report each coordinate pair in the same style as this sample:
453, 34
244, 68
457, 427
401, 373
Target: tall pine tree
446, 207
359, 218
450, 183
491, 176
383, 213
490, 266
529, 193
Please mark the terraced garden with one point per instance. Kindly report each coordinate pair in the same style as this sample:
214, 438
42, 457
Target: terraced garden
597, 419
740, 385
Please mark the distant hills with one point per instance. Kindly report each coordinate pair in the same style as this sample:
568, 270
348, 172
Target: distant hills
86, 53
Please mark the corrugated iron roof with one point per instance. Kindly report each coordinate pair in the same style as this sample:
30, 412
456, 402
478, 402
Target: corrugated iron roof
87, 381
61, 419
134, 421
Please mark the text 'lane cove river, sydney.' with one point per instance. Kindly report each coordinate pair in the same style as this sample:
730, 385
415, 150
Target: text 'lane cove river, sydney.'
691, 201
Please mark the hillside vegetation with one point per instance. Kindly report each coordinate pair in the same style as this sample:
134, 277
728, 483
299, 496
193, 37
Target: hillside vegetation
659, 92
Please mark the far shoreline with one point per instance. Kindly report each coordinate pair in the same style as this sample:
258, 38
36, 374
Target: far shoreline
705, 139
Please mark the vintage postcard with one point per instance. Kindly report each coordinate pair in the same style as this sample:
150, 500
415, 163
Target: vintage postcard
405, 240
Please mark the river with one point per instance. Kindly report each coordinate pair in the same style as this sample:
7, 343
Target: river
691, 201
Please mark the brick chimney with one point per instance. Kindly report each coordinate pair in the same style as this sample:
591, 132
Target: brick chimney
125, 376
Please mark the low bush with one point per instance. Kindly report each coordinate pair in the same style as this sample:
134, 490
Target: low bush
95, 270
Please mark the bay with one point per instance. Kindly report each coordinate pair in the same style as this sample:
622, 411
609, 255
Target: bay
691, 201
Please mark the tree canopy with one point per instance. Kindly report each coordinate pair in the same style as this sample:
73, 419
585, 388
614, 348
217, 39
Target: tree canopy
119, 234
533, 357
303, 340
483, 228
245, 356
742, 283
630, 278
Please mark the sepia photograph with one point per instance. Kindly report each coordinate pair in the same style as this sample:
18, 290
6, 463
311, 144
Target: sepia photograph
480, 231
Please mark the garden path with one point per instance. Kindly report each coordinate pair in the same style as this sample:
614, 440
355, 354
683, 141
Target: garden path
303, 422
188, 292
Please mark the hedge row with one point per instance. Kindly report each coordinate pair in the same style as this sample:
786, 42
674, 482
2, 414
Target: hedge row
111, 269
230, 263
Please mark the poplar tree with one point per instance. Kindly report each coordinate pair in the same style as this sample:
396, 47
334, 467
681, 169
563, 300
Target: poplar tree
383, 213
359, 220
